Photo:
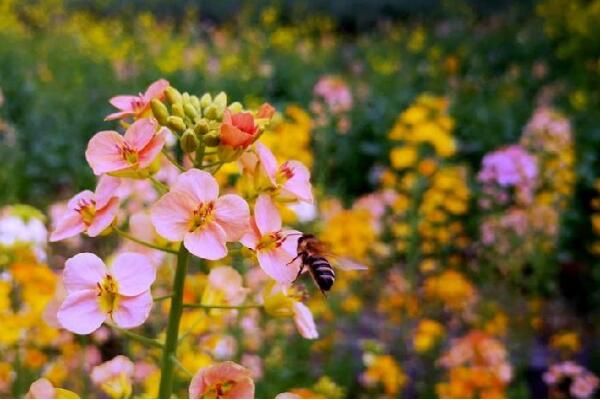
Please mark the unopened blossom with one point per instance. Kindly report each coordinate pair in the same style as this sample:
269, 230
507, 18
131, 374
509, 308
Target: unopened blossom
193, 212
96, 292
115, 377
137, 106
238, 130
290, 180
90, 212
226, 380
43, 389
275, 247
110, 153
304, 321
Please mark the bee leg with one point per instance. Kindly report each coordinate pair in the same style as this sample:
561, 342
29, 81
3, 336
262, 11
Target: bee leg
295, 258
324, 294
300, 271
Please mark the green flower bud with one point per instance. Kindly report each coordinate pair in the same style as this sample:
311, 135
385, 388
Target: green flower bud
220, 101
190, 111
195, 102
173, 95
211, 112
160, 111
177, 110
176, 124
185, 98
212, 138
205, 100
236, 107
189, 142
201, 127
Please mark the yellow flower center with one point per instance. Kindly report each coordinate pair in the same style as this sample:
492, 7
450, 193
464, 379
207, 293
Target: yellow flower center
219, 390
130, 155
87, 210
108, 294
202, 216
284, 174
270, 241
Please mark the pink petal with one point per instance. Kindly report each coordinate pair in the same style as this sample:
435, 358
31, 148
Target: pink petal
118, 115
171, 215
41, 389
103, 218
251, 237
200, 185
266, 215
267, 160
208, 242
134, 273
299, 185
106, 189
69, 225
132, 311
80, 312
85, 197
275, 263
140, 133
82, 272
304, 321
123, 103
232, 214
156, 89
149, 153
103, 153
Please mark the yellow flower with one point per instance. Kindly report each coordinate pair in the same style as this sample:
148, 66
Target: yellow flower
403, 157
568, 342
384, 370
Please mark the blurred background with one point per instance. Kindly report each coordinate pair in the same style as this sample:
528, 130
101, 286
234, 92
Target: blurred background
469, 131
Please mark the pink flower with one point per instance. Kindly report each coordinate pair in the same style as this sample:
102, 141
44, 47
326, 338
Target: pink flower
238, 130
304, 321
275, 248
114, 377
96, 292
109, 152
224, 286
43, 389
193, 212
335, 92
137, 106
290, 180
226, 380
88, 211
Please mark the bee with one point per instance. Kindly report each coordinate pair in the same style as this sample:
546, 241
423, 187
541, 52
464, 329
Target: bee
312, 253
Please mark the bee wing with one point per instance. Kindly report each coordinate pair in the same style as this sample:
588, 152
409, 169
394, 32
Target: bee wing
347, 264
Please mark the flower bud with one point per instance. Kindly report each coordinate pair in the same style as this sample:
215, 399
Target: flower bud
236, 107
173, 95
176, 123
211, 112
190, 111
205, 100
160, 111
185, 97
189, 142
220, 101
201, 127
212, 138
177, 110
195, 102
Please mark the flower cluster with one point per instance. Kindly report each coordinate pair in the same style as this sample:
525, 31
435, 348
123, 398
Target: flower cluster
580, 383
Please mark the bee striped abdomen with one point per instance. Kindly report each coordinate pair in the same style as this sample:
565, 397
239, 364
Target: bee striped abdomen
322, 272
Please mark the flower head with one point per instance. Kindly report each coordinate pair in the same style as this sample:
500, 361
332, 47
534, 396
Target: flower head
43, 389
193, 212
114, 377
137, 106
110, 153
96, 292
275, 248
226, 380
290, 180
90, 212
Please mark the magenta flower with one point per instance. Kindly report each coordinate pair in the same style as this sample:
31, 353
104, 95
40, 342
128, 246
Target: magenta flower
275, 248
96, 292
110, 153
88, 211
291, 180
137, 106
193, 212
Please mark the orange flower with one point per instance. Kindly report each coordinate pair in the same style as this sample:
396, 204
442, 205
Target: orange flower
238, 130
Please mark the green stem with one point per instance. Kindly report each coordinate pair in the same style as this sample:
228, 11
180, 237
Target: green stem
181, 367
207, 306
158, 185
140, 338
161, 298
142, 242
170, 350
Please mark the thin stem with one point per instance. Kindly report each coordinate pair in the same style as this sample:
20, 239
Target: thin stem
142, 242
158, 185
181, 367
161, 298
140, 338
170, 350
208, 307
173, 161
213, 164
191, 328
